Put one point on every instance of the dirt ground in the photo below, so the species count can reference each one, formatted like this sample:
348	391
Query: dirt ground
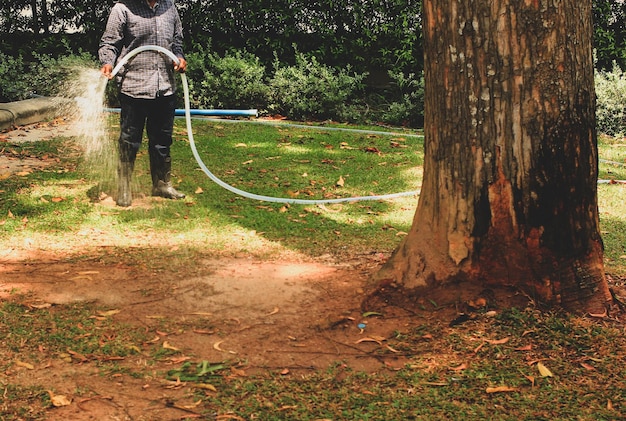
287	316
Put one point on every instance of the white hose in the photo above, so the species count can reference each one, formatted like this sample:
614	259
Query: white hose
218	181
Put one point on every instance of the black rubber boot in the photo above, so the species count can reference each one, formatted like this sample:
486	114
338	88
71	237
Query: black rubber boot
165	189
161	184
124	194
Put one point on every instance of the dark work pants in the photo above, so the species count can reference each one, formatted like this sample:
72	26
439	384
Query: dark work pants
157	116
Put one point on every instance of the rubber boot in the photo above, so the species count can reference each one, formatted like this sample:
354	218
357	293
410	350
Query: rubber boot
161	181
124	194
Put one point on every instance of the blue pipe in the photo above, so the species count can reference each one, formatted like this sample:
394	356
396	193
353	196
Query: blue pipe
247	113
210	113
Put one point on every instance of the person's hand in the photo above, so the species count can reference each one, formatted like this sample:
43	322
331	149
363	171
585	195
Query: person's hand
106	71
181	66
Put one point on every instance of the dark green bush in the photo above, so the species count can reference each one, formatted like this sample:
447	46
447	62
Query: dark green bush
44	76
50	76
14	79
311	90
408	109
235	81
611	102
306	90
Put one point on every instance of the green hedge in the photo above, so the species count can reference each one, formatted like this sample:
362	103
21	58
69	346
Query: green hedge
611	102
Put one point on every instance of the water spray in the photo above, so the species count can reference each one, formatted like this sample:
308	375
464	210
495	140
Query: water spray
217	180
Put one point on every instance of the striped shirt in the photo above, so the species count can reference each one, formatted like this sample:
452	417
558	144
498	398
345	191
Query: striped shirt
131	24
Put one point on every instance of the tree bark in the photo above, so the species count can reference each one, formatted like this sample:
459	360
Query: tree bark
35	17
509	195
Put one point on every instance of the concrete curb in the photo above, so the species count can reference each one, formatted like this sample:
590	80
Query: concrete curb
31	111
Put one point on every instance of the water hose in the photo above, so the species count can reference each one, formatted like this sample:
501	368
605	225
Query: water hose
218	181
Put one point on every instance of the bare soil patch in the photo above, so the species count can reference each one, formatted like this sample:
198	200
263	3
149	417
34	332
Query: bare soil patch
286	317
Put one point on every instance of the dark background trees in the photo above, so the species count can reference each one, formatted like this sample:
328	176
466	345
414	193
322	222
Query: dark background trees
609	33
367	35
377	39
371	34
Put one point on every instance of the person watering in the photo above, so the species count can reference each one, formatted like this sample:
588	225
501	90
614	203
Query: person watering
147	88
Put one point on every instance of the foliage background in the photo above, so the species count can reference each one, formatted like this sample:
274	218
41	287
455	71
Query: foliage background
367	55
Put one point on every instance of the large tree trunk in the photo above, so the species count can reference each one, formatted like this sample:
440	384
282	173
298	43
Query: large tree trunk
45	17
509	195
35	17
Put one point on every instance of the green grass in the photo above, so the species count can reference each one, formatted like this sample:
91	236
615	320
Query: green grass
268	159
263	159
611	198
69	332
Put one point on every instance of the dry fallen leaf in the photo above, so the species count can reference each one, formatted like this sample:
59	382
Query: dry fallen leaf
340	182
167	345
237	372
59	400
199	190
40	306
228	417
378	339
25	365
78	356
501	389
497	341
178	360
216	346
392	349
108	313
543	370
205	386
587	366
459	368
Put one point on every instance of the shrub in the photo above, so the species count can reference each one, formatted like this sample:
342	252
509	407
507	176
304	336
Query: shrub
51	76
408	110
611	102
45	75
310	90
14	79
235	81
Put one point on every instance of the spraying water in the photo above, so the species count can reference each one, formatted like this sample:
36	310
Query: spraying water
86	88
91	122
